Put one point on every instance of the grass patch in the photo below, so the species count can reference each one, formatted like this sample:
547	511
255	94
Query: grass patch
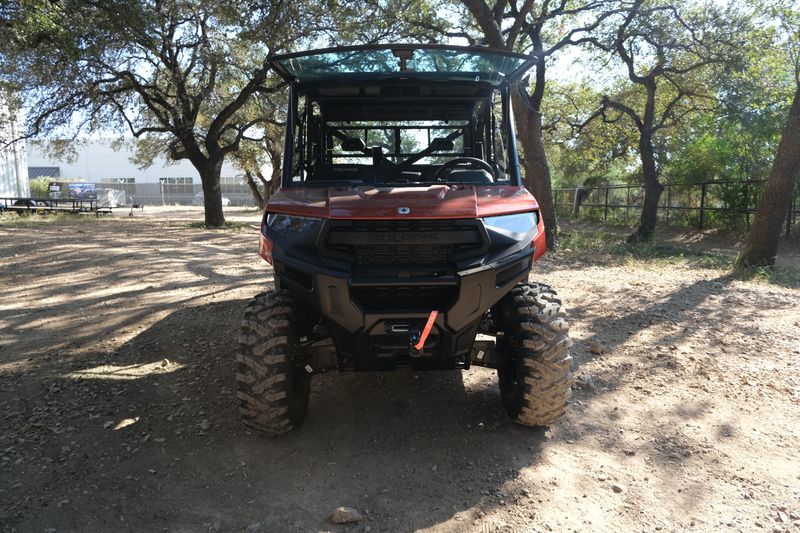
786	277
612	246
232	226
10	219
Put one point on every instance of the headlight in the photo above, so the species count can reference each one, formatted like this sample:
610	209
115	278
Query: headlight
518	224
286	224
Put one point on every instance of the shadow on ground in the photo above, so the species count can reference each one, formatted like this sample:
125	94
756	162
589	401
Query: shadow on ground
409	450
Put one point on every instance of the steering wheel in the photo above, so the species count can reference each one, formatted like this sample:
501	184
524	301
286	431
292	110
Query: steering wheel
474	161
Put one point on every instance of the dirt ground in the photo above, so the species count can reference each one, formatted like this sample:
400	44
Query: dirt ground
118	413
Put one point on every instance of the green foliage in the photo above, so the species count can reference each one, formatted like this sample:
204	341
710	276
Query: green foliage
726	128
598	152
40	188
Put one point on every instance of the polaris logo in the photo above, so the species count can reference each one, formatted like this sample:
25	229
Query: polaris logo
403	210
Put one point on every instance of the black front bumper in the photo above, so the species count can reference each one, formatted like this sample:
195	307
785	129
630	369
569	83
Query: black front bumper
371	316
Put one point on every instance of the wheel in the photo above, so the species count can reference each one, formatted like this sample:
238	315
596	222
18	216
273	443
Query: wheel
30	204
535	381
273	385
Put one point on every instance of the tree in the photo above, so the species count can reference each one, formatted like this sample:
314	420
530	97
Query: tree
601	152
176	72
542	28
169	69
347	23
663	49
255	156
762	243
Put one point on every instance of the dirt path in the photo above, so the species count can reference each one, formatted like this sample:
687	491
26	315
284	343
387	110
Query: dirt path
117	408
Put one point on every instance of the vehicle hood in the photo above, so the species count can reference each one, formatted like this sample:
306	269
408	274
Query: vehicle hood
434	201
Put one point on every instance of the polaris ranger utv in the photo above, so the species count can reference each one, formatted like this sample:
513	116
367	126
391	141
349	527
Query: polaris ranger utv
401	235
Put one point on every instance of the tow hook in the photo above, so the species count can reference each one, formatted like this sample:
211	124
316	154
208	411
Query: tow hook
418	339
413	339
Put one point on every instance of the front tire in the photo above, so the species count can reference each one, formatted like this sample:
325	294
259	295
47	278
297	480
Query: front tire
273	385
536	379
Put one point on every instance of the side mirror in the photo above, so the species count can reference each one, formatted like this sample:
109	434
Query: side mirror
442	144
353	144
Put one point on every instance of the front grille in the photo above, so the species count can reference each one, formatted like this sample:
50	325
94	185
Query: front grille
366	243
389	254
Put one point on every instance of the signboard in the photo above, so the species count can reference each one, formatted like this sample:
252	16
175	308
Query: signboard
82	191
54	190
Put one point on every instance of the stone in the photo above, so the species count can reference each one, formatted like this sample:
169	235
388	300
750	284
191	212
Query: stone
617	487
345	515
596	348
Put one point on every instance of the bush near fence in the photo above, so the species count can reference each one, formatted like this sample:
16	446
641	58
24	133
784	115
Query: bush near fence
727	205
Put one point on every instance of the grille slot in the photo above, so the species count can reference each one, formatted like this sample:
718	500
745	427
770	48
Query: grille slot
405	298
389	254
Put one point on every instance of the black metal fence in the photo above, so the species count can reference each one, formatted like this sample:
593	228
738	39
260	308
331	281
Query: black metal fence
720	204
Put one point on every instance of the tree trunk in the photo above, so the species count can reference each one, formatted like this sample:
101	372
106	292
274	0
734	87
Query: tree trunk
762	243
652	191
256	192
212	193
276	159
537	171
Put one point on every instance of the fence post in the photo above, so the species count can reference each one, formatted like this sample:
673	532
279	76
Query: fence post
669	200
605	209
628	203
747	203
702	205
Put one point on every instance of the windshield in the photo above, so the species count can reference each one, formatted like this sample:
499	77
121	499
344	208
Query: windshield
378	136
440	63
398	141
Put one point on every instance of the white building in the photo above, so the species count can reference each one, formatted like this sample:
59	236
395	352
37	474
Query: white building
13	163
165	182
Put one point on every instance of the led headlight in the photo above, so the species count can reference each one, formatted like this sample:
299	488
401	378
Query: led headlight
287	224
516	225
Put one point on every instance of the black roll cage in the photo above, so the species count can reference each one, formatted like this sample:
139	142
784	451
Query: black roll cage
295	89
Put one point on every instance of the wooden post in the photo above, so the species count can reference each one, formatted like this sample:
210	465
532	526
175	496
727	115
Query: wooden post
605	209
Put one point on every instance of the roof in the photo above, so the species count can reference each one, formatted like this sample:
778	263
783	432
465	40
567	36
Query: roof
43	172
423	62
